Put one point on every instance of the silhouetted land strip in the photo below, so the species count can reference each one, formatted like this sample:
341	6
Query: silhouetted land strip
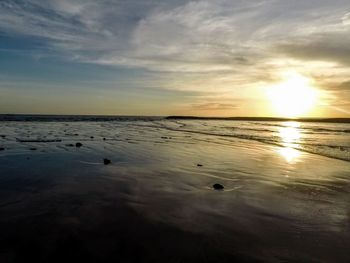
331	120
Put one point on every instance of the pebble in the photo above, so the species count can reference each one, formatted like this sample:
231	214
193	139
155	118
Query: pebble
106	161
218	186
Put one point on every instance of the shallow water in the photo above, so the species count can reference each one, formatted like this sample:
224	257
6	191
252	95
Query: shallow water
279	203
328	139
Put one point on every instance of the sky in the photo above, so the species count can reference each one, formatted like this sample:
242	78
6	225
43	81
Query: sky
175	57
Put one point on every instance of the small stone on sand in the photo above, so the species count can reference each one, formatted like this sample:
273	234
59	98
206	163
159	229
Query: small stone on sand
106	161
78	144
199	165
2	148
33	149
218	186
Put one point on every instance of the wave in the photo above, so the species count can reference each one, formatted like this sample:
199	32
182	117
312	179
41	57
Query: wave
327	150
312	129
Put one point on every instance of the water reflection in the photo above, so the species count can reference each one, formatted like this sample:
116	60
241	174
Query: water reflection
290	137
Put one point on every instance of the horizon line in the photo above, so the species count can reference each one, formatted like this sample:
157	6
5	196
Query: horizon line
7	116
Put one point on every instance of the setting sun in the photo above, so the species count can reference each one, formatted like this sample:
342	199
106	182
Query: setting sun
293	97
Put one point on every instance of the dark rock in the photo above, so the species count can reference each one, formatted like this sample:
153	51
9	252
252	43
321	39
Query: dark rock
104	139
33	149
91	137
163	137
2	148
78	144
199	165
106	161
218	186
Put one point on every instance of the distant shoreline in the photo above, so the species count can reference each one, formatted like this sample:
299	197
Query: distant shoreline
331	120
53	117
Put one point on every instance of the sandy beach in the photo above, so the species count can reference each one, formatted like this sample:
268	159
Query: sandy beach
155	201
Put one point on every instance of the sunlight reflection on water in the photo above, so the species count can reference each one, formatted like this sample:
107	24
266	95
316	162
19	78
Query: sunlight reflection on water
290	136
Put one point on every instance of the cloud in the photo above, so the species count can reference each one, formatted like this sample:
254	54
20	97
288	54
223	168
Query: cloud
333	47
345	86
213	44
346	19
214	106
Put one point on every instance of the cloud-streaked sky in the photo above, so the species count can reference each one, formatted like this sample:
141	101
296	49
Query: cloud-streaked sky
210	57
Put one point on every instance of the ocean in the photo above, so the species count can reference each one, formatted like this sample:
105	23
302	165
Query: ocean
329	139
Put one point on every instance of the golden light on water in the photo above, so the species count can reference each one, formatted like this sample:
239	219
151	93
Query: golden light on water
289	154
290	136
293	97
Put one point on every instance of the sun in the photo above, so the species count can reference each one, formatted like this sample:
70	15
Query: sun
293	97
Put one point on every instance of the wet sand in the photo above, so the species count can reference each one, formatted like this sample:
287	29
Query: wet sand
153	203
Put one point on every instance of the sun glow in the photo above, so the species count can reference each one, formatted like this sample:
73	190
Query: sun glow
293	97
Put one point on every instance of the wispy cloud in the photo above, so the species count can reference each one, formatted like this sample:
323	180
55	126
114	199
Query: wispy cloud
214	106
174	35
222	43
